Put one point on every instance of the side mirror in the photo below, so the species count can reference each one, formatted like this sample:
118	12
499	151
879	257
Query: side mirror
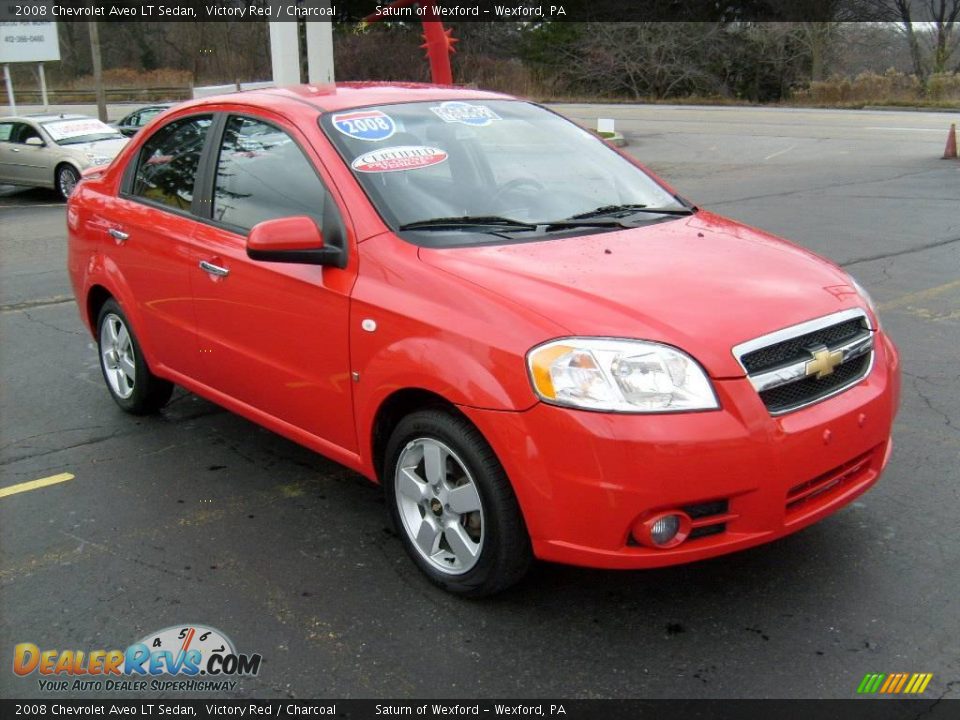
292	240
34	142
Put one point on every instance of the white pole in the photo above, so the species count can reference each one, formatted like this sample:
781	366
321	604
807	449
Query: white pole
10	98
285	52
43	87
320	51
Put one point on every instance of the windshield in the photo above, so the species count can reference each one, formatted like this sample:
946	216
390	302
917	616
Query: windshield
508	166
80	130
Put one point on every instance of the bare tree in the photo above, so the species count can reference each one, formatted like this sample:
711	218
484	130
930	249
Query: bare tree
645	59
819	38
946	17
941	26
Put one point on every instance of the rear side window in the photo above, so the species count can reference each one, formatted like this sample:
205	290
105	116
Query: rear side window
5	131
146	116
168	162
262	174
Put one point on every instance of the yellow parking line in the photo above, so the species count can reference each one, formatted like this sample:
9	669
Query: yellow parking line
35	484
921	295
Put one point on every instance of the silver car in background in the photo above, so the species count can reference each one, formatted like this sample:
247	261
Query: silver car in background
52	150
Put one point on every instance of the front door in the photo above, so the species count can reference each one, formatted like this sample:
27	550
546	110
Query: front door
272	335
23	164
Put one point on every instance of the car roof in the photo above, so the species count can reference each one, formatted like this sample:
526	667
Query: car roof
44	117
347	95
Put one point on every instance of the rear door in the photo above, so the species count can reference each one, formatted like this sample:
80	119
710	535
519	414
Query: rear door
273	335
150	237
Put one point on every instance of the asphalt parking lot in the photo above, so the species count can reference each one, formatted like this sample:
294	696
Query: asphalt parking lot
197	515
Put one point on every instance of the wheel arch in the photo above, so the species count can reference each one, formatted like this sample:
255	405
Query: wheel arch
60	164
106	284
97	295
392	410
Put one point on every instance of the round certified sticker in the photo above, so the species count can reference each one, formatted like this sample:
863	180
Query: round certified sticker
402	157
365	124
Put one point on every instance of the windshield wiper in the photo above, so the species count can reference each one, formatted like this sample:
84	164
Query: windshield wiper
625	210
468	222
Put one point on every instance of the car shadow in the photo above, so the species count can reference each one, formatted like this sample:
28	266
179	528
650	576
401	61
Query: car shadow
15	195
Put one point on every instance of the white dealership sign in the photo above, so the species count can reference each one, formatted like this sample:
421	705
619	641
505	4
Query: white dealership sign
29	42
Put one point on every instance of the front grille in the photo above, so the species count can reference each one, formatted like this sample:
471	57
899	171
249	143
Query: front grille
826	485
703	513
702	510
810	389
777	364
794	349
707	531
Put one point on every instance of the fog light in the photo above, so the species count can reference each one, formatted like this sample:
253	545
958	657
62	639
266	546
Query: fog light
663	530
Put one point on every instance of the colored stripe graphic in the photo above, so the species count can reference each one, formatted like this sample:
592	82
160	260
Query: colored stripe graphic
894	683
870	683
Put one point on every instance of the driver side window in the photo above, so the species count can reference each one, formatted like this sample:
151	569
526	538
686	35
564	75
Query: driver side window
21	132
263	174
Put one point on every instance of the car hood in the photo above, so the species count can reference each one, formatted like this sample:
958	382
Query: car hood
701	283
104	148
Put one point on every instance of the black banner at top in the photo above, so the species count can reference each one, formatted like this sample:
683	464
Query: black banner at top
455	11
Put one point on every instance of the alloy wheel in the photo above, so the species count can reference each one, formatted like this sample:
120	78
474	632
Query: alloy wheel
440	506
117	356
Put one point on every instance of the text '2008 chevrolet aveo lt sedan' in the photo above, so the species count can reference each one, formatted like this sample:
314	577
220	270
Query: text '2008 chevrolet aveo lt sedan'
535	345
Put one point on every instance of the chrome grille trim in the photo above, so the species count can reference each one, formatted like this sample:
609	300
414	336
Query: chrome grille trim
796	371
793	331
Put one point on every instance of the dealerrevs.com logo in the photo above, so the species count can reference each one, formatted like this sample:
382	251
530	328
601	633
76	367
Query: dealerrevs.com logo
198	657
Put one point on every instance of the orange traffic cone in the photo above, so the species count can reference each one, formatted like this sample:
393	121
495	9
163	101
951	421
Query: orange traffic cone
950	152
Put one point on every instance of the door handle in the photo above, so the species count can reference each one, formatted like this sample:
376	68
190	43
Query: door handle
14	149
119	235
214	270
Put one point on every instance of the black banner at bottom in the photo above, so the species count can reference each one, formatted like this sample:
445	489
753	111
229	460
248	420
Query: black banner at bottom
858	709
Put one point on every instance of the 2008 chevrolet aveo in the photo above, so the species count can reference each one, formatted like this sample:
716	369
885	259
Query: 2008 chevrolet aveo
535	345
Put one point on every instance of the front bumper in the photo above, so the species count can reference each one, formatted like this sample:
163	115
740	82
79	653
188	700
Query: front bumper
583	478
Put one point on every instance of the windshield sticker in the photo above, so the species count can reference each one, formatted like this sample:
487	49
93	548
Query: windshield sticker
75	128
402	157
455	111
365	125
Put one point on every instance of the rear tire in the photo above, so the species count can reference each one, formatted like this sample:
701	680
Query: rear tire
131	384
453	505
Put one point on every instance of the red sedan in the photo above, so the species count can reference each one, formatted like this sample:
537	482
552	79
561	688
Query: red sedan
537	347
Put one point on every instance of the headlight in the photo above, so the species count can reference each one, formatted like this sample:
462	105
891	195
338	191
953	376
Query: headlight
862	292
619	376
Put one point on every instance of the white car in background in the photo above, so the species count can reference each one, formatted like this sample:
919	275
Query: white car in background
52	150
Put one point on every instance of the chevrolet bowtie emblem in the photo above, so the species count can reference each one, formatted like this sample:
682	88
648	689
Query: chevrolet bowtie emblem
823	362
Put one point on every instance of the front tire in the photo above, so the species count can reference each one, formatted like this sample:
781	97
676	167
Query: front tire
453	505
66	180
131	384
